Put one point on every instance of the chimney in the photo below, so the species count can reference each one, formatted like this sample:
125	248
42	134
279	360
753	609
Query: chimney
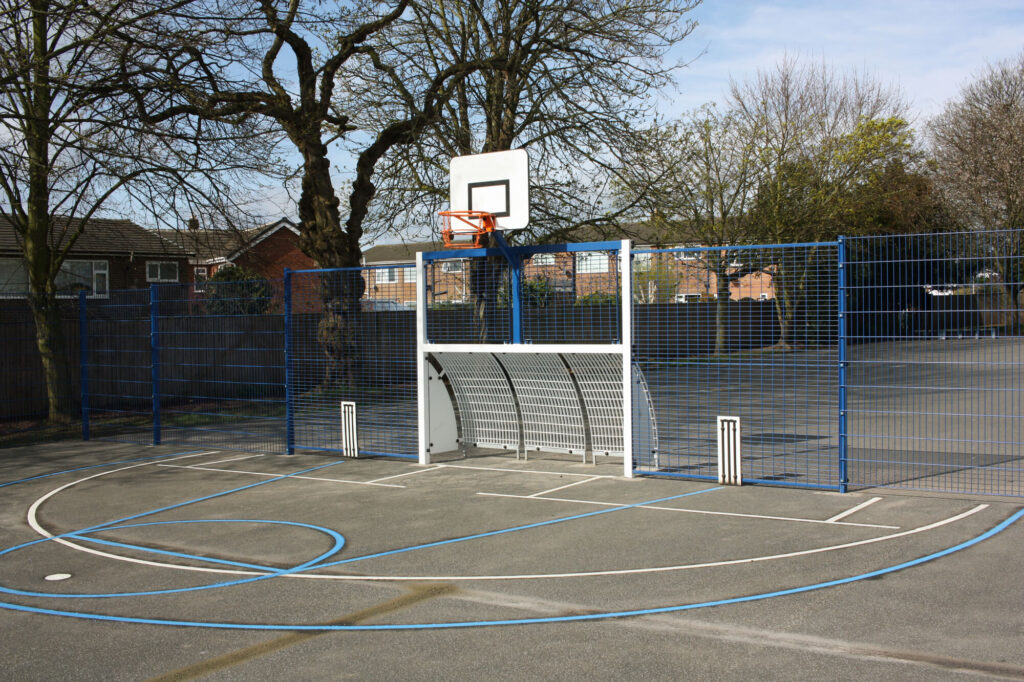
193	224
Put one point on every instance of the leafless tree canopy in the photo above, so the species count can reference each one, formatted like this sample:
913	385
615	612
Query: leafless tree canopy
978	145
569	82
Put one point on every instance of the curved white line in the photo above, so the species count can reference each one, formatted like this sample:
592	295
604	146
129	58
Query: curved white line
466	578
33	522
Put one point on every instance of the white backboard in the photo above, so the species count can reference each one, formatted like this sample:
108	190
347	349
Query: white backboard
497	182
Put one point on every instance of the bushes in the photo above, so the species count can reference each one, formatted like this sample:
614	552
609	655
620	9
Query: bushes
238	291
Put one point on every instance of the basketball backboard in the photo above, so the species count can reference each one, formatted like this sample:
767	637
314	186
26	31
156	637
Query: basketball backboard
496	182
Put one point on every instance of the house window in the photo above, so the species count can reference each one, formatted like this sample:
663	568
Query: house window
387	276
642	261
409	275
591	262
161	271
13	277
686	255
91	276
451	266
541	259
199	276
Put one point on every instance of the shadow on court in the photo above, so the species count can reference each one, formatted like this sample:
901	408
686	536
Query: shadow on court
226	565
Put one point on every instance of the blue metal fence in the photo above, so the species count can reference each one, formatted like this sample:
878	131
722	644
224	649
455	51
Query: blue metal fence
746	332
935	374
870	361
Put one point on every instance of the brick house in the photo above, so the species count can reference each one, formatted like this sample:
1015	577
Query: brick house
109	254
267	249
664	277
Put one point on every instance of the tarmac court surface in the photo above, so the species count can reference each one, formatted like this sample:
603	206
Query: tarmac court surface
126	563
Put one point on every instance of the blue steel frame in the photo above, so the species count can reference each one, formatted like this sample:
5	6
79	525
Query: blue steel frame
289	402
841	321
870	283
154	339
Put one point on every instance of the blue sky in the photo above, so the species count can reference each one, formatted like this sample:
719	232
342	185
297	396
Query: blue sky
927	48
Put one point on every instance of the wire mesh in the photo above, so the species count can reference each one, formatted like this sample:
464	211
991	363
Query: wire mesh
744	331
561	296
221	365
119	366
351	342
572	297
24	398
936	361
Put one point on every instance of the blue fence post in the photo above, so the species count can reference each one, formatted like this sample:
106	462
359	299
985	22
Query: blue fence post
154	345
841	257
83	361
289	414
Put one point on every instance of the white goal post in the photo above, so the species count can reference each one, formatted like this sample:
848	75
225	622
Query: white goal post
548	397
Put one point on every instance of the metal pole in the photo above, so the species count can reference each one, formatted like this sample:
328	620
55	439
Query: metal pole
841	257
289	408
626	277
154	345
83	361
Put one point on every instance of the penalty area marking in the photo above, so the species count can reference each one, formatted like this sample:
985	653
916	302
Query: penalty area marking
579	574
706	512
200	467
678	608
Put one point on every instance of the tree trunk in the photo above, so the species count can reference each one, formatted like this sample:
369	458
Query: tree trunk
51	345
323	240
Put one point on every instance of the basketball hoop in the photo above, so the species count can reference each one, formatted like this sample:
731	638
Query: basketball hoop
467	230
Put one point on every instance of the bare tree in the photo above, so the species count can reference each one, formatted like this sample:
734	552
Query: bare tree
571	81
978	145
816	134
70	149
695	183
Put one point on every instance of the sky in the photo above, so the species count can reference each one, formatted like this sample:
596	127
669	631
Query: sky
928	48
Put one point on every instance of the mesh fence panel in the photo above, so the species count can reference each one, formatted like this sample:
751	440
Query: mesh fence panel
221	365
564	296
749	332
348	344
936	361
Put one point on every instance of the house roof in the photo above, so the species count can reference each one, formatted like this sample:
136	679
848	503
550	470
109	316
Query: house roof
101	236
641	234
224	244
398	253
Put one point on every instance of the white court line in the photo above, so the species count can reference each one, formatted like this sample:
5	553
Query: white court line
697	511
843	515
563	487
526	471
407	473
30	516
313	576
230	459
260	473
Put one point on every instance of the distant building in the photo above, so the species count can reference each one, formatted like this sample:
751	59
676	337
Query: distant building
267	249
108	254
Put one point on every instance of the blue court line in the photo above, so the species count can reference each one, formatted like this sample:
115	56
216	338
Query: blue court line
338	544
529	621
97	466
527	526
